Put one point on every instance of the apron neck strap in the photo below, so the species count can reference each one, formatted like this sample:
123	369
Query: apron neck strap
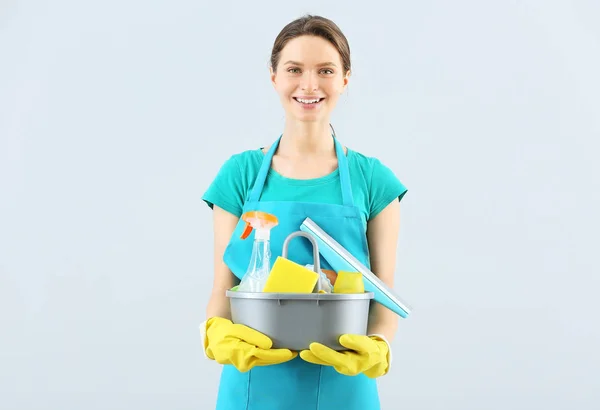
343	169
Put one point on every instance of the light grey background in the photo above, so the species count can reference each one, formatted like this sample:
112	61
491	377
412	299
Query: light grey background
116	115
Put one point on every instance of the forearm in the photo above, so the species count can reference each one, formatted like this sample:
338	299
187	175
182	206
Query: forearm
382	321
224	279
218	305
382	234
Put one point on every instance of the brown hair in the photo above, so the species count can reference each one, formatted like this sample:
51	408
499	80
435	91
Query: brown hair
310	25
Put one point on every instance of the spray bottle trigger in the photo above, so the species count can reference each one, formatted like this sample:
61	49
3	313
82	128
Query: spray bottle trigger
247	231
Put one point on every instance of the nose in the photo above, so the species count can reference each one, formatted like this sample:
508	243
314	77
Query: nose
310	81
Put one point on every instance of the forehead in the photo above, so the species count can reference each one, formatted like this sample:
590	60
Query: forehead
310	50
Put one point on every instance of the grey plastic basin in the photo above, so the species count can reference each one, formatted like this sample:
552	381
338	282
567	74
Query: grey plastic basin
295	320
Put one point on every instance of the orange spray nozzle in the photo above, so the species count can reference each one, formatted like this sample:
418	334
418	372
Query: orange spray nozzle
258	220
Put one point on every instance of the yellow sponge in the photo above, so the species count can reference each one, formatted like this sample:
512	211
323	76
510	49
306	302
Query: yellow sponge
289	277
349	282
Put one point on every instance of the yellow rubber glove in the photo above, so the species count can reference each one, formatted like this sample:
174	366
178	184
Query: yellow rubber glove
368	355
241	346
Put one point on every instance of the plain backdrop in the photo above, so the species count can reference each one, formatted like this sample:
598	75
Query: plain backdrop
116	115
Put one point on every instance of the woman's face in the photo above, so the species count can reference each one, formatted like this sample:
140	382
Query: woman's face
309	78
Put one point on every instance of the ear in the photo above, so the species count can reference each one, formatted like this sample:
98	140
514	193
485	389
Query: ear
345	80
272	74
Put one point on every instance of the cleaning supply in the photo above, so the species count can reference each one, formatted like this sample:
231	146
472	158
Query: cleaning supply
349	282
288	276
295	320
260	260
340	259
293	314
324	283
241	346
330	274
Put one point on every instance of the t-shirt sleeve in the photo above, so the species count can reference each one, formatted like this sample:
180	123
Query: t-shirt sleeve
226	190
385	187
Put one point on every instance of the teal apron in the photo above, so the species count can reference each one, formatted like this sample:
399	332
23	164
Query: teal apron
298	385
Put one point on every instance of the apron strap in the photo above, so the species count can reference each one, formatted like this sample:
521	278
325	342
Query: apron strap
259	182
344	173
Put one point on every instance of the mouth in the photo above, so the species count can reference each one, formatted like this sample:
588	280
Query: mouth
309	102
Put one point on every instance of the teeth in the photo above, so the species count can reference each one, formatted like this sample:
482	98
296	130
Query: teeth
308	101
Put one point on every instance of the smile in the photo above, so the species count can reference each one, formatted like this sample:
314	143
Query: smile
308	103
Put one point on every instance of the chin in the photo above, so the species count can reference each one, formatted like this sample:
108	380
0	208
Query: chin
308	118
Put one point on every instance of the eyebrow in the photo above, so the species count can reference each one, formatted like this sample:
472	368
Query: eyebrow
329	63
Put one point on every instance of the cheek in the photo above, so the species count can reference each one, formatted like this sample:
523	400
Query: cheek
285	90
334	86
334	91
285	85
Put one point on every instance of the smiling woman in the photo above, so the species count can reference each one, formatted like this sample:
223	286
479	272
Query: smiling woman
310	68
305	173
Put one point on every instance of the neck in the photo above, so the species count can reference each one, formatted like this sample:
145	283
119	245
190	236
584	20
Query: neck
306	138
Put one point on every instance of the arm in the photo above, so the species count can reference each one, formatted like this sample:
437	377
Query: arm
382	236
224	224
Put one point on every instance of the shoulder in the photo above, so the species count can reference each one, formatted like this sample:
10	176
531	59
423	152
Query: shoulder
381	183
232	169
245	158
241	165
233	180
366	164
241	168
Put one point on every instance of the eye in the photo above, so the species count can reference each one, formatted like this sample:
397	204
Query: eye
327	71
293	70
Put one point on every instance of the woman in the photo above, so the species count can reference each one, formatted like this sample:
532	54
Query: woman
304	173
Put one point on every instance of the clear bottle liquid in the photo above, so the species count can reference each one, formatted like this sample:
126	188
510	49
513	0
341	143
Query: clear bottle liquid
259	265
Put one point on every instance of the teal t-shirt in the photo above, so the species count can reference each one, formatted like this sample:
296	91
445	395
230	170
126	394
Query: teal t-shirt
374	185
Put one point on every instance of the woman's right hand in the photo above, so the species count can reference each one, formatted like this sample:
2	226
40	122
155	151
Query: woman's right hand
241	346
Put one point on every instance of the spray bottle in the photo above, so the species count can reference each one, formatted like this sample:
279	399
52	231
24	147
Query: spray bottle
260	261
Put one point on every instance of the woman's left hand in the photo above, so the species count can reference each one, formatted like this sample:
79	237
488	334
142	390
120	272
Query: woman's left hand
367	354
